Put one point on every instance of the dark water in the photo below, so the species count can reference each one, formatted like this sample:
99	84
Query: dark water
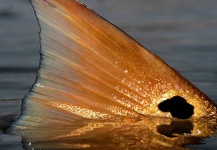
183	33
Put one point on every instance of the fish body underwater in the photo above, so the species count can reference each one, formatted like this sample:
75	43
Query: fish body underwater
94	79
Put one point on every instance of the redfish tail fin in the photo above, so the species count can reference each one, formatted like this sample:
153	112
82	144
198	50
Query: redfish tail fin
91	69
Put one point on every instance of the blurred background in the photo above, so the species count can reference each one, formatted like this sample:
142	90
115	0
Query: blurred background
19	48
183	33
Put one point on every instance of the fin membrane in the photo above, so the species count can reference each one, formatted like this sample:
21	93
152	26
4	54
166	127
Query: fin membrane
91	69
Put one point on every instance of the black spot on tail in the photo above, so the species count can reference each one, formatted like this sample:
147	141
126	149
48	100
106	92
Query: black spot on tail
178	107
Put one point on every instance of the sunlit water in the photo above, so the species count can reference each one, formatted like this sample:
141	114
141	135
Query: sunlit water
183	33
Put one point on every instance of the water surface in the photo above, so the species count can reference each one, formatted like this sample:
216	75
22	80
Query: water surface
183	33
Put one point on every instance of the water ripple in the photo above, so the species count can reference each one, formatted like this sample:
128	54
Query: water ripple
17	69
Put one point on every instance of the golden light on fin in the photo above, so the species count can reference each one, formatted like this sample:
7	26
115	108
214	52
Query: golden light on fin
91	69
97	85
147	133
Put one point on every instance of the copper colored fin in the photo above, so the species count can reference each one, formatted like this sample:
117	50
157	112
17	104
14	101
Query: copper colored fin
91	69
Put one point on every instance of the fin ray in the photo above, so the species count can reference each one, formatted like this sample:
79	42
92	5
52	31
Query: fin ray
91	69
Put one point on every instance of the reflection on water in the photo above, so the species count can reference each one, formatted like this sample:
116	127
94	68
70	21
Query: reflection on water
176	127
146	133
183	33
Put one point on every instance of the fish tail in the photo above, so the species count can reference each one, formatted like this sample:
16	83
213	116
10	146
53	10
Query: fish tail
90	69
